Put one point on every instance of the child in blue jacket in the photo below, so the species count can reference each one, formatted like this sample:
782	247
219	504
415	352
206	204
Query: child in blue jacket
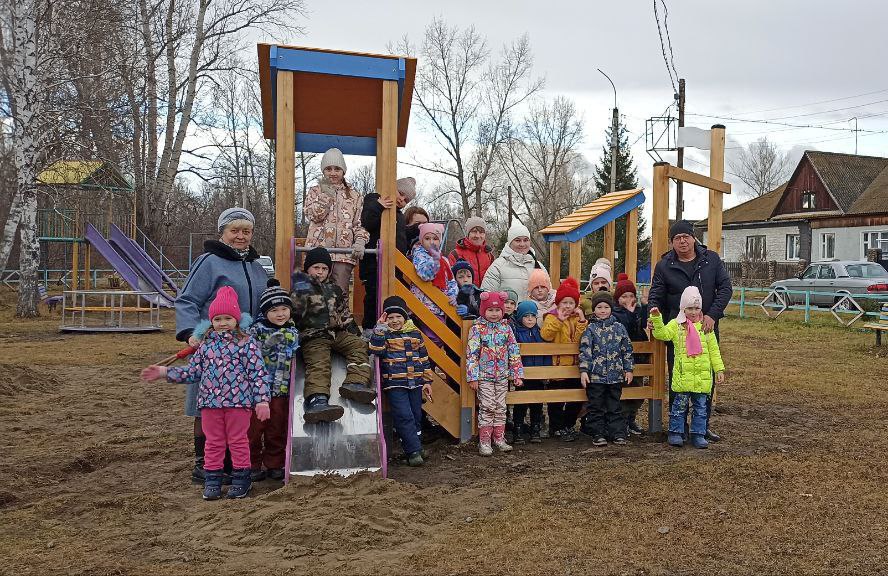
527	331
406	373
605	365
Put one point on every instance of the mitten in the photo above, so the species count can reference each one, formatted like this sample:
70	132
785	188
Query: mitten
462	310
358	250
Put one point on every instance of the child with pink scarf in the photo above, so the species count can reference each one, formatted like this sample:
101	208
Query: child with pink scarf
696	357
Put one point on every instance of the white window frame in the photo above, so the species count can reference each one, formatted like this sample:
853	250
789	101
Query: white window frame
826	239
813	196
882	241
793	241
764	251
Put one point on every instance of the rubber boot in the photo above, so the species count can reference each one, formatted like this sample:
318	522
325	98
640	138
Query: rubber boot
197	473
357	392
240	483
484	435
212	484
318	410
499	439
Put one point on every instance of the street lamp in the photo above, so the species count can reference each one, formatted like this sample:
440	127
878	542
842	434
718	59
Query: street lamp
614	137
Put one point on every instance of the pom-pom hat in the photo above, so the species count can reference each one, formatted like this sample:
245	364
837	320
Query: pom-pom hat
491	300
569	288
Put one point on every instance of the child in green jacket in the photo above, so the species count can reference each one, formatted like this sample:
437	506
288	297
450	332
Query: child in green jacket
696	357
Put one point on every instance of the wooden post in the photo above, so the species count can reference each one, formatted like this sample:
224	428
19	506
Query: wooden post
555	263
284	178
466	394
717	171
659	245
87	252
575	259
386	174
610	242
631	267
75	265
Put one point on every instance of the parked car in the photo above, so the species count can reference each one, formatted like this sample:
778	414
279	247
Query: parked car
826	280
268	264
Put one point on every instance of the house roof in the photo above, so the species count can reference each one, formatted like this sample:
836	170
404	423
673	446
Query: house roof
594	215
846	176
85	173
874	198
755	210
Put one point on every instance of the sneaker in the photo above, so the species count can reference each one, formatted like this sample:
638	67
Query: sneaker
600	441
620	441
634	429
698	441
357	392
502	446
318	410
485	449
276	474
712	436
258	475
568	435
675	439
415	459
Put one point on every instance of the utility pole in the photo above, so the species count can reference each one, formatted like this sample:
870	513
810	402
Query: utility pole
509	190
679	186
855	133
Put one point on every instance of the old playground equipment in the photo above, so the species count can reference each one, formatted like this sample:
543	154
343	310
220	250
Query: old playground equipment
360	103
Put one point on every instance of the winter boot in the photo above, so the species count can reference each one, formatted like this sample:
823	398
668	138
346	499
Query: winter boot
675	439
240	483
276	474
634	429
535	437
698	441
484	435
357	392
197	473
499	439
318	410
258	475
415	459
712	436
212	484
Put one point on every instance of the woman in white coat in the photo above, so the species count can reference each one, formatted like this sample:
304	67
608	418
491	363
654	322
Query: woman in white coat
511	271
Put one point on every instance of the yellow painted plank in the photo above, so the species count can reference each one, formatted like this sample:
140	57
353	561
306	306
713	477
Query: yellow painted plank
445	406
698	179
573	395
405	267
425	315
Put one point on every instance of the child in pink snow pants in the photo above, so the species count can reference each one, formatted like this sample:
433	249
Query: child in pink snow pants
492	360
232	382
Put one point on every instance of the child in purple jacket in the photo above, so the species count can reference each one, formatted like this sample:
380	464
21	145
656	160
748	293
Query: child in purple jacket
233	381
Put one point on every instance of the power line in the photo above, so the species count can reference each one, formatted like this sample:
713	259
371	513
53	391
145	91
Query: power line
668	37
663	48
811	103
815	126
828	111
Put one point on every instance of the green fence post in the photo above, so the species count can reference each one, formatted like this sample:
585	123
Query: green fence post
807	306
742	301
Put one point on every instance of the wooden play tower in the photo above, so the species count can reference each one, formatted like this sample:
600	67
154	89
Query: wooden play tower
315	99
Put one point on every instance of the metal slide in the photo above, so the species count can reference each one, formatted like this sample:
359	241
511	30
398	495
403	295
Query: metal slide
136	281
352	444
143	263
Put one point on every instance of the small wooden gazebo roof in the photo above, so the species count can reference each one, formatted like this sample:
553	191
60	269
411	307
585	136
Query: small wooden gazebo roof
593	216
84	174
337	95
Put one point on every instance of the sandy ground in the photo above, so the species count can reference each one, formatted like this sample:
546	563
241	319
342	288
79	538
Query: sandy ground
94	478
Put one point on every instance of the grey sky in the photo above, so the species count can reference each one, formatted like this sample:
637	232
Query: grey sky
738	57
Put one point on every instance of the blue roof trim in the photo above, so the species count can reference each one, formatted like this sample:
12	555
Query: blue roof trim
599	221
297	60
355	145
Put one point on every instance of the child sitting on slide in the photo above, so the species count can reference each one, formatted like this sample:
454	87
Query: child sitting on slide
233	382
326	325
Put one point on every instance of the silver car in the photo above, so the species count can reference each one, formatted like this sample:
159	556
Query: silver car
826	280
267	264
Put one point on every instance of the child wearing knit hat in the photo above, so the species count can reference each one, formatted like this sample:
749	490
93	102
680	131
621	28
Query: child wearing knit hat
600	278
432	267
527	331
633	316
492	360
539	289
279	339
326	325
473	248
511	303
564	324
468	297
406	373
232	382
605	365
697	356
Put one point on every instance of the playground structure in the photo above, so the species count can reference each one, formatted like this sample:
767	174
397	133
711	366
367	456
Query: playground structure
316	99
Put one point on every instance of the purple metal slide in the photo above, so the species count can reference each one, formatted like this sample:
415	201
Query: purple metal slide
143	263
127	273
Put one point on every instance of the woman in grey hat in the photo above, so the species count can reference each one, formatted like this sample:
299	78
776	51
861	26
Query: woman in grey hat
228	261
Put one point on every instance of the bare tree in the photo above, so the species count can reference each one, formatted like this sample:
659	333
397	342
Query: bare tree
466	99
762	166
364	179
543	165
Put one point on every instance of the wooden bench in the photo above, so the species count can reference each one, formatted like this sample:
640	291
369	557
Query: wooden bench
881	325
51	301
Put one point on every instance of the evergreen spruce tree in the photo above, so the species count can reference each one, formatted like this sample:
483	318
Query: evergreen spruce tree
627	179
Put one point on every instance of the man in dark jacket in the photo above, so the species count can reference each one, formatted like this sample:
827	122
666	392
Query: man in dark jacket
690	264
371	220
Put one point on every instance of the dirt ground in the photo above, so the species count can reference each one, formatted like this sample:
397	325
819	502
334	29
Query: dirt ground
94	478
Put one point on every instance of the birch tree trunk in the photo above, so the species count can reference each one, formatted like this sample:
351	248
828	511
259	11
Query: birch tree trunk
12	222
